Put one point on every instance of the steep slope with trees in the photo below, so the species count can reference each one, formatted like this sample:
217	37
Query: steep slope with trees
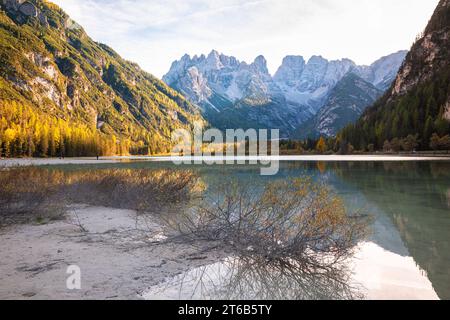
63	93
417	107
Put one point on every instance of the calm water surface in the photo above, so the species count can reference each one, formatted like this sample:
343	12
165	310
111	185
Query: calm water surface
406	256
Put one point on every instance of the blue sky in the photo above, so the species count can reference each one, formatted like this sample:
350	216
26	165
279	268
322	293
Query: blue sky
154	33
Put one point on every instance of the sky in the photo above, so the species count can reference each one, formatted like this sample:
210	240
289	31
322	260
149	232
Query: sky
154	33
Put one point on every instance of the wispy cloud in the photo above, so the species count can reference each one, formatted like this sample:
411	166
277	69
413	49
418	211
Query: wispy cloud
156	32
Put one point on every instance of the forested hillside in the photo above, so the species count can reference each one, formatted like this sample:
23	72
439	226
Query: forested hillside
61	93
415	112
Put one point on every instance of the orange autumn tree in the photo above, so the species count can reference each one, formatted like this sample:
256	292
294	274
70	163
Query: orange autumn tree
321	145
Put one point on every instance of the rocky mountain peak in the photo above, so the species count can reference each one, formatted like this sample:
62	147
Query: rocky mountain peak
294	94
290	70
185	57
23	10
441	17
260	64
293	61
213	60
429	54
383	71
317	61
345	103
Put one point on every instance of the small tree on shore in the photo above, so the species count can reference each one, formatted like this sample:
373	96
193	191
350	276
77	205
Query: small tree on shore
321	145
438	143
410	143
445	142
387	146
396	145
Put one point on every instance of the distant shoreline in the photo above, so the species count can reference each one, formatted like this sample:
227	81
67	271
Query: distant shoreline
24	162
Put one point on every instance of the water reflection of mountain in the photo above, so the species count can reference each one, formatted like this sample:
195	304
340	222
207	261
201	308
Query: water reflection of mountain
415	197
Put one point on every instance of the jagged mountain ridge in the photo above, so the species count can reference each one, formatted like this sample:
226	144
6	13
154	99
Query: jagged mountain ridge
230	91
203	77
49	63
383	71
345	103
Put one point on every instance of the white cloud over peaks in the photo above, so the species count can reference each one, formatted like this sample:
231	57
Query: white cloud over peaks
156	32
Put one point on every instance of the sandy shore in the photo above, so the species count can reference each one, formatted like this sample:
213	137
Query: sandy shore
8	163
322	158
123	255
120	255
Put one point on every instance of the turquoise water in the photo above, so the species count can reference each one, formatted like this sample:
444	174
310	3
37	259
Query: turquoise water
409	200
410	203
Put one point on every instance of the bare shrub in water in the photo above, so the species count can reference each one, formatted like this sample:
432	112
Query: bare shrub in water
257	279
141	190
280	280
295	222
34	192
28	190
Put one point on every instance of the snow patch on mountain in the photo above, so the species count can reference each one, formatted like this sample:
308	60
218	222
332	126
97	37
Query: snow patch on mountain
296	92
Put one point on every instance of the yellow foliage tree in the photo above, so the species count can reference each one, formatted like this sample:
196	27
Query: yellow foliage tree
321	145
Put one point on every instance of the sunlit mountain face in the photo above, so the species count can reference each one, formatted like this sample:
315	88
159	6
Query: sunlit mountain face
232	93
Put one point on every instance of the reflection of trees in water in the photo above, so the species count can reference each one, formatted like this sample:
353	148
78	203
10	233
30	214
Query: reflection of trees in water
414	195
31	192
287	219
293	239
259	279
